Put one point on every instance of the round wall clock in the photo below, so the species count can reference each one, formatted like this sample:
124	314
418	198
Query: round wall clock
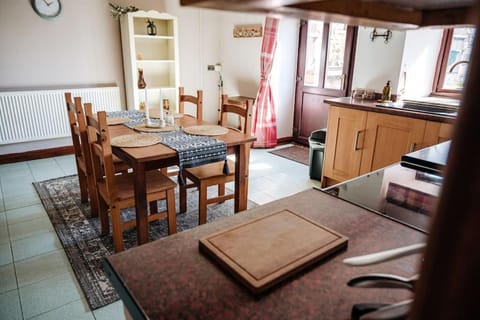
47	8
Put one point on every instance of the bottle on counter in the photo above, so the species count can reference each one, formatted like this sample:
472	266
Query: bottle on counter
386	95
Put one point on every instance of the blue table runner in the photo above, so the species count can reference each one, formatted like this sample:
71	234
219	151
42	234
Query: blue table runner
192	150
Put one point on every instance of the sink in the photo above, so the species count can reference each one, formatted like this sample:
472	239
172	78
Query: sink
430	109
422	107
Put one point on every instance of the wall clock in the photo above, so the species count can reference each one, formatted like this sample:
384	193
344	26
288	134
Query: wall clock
47	8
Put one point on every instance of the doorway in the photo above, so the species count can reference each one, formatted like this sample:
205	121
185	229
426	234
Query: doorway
324	70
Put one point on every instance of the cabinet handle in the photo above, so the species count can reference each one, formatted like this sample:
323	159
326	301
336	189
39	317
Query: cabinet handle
356	148
412	147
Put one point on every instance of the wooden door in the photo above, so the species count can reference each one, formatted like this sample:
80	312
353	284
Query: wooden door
389	137
324	70
343	152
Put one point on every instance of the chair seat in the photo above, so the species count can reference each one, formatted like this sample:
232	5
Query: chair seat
211	170
156	182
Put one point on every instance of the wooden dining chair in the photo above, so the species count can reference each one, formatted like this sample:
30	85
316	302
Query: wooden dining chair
83	159
212	174
116	191
197	101
81	149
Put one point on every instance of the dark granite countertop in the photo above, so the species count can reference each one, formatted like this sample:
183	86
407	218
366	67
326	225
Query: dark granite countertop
432	159
372	106
170	278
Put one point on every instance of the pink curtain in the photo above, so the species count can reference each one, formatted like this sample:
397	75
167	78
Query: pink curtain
264	122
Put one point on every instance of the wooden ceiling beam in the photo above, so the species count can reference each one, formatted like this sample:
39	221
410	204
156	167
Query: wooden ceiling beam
449	17
393	15
363	9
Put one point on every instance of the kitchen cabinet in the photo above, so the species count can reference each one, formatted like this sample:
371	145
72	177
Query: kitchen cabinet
359	141
387	138
155	52
345	131
436	132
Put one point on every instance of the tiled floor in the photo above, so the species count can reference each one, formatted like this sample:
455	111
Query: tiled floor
36	280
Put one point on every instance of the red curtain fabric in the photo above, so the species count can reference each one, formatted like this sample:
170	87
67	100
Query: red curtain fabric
264	122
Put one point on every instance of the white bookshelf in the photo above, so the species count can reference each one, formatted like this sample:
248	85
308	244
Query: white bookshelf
156	54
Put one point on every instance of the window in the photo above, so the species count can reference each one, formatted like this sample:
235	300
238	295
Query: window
453	60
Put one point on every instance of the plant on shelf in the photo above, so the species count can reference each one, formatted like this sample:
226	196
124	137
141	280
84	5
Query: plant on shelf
117	10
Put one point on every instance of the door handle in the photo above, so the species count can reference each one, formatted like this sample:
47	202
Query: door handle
357	136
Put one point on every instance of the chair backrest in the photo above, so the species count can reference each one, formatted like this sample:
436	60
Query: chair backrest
241	108
197	101
101	150
78	129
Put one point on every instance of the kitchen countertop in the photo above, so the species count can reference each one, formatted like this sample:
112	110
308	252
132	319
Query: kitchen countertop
171	278
432	159
406	192
372	105
396	192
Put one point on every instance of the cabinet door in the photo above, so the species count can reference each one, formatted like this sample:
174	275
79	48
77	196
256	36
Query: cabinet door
389	137
343	152
436	132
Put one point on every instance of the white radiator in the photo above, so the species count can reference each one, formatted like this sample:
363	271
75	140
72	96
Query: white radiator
42	114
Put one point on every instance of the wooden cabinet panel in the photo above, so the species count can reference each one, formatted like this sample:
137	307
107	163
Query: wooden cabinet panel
389	137
343	145
436	132
359	141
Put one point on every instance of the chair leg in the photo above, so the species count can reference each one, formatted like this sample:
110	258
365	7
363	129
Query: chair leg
103	213
117	230
202	204
183	199
221	190
92	191
82	181
171	214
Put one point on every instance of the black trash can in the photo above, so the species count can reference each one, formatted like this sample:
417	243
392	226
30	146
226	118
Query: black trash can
317	149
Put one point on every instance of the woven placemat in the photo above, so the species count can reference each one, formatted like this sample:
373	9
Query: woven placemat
144	128
206	130
112	121
134	140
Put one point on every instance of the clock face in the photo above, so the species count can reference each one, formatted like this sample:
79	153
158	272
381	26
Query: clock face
47	8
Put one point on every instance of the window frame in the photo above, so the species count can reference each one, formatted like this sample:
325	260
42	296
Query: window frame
441	67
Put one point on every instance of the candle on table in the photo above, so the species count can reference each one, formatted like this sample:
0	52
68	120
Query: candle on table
161	106
147	111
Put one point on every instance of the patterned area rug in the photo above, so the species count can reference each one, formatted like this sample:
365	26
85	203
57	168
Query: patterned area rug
80	234
297	153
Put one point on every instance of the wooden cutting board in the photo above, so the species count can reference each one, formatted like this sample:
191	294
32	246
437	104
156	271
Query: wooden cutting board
264	251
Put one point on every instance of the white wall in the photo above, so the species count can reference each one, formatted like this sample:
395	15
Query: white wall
79	48
241	64
377	62
419	61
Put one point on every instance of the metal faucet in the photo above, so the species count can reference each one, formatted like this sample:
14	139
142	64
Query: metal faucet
456	64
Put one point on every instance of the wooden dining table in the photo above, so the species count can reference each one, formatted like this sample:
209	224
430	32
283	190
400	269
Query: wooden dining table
143	159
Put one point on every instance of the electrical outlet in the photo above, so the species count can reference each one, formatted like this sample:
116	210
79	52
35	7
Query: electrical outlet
210	67
218	67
